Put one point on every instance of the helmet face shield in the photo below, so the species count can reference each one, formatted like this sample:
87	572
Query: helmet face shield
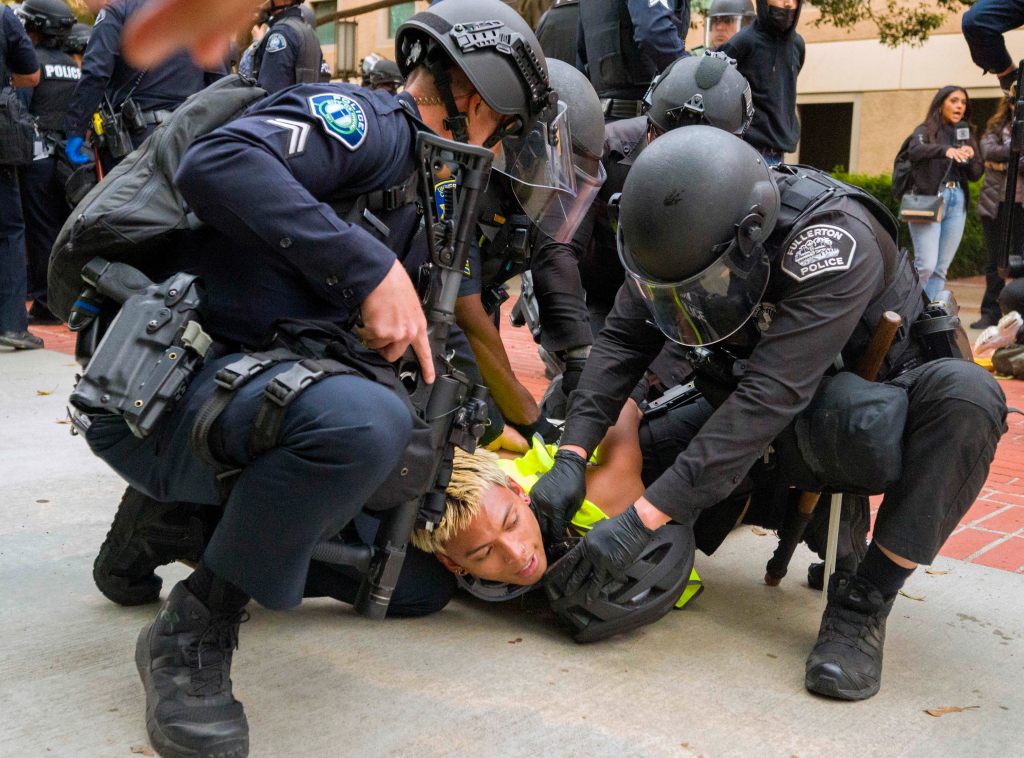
539	164
709	306
719	29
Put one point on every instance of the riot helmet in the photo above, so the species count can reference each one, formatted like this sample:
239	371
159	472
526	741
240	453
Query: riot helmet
380	73
693	217
77	39
50	19
724	19
653	584
500	56
586	123
308	15
700	90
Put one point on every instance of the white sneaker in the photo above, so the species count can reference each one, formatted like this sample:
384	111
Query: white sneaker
1002	334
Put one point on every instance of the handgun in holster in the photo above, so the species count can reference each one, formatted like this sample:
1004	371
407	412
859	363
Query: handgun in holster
116	137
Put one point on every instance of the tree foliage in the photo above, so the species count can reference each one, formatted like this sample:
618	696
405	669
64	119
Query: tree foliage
899	22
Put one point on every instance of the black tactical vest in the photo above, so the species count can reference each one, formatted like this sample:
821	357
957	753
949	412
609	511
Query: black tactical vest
557	31
307	62
617	67
58	75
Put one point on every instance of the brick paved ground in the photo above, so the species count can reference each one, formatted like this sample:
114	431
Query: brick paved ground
992	534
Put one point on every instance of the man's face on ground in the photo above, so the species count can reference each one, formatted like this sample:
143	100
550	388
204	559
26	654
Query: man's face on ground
503	543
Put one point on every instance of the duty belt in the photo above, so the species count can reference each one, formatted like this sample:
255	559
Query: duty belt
156	117
616	108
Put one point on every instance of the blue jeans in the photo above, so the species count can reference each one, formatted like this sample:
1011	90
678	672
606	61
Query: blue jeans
935	244
983	26
13	316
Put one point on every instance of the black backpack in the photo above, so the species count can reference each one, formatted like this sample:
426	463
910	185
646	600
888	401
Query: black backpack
136	210
902	170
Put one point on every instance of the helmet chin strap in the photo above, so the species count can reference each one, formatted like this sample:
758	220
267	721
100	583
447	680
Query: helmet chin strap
456	121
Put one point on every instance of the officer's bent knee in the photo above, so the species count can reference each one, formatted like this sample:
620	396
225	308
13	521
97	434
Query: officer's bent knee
973	388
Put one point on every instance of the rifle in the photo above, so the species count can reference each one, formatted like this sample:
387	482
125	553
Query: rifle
1012	170
454	408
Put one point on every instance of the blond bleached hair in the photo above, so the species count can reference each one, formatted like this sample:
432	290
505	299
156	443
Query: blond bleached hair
472	475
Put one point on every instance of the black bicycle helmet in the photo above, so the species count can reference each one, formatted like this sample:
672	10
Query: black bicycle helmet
653	585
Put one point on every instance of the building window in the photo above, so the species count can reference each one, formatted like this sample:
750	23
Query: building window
398	15
326	32
825	132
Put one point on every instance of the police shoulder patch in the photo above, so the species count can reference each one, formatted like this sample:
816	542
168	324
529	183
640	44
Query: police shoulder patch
818	249
276	42
341	117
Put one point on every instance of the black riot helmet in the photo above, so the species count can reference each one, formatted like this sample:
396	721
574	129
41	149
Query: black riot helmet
500	56
77	39
653	584
50	19
378	71
693	217
700	90
726	17
308	14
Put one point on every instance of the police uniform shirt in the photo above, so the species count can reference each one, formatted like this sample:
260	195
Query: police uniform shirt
105	72
58	75
823	277
278	52
274	247
18	55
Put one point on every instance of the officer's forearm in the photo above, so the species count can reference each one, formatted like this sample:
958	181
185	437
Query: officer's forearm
649	514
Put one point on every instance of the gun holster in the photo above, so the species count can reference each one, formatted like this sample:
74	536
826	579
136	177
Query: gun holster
938	332
151	350
116	136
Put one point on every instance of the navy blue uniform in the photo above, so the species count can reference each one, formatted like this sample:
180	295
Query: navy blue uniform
268	254
16	57
42	195
157	91
288	54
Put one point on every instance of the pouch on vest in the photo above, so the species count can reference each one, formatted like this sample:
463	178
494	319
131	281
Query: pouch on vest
149	353
136	210
849	439
17	130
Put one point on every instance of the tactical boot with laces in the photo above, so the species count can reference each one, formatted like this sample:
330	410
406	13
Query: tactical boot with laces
846	661
145	534
184	659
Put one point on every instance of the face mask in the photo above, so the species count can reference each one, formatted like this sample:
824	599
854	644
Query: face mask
781	19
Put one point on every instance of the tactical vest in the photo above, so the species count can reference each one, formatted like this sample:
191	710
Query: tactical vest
803	191
58	75
616	65
307	62
557	31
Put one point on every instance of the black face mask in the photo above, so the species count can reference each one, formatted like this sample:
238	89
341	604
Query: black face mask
781	19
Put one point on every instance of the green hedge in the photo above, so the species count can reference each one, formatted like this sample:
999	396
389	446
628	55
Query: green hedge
970	257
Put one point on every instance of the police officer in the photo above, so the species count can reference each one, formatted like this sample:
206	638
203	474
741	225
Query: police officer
623	45
19	66
380	73
48	22
289	52
268	255
557	30
788	272
724	19
107	79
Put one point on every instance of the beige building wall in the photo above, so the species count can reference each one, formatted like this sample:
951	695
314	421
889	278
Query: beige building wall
371	30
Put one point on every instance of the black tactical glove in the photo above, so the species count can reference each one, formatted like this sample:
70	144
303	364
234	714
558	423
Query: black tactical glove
575	360
558	494
601	557
547	431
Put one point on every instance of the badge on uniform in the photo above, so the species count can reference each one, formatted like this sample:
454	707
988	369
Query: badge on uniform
276	42
442	191
342	117
817	250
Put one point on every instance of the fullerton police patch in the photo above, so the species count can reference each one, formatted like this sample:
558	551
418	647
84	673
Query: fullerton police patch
817	250
443	190
342	118
276	42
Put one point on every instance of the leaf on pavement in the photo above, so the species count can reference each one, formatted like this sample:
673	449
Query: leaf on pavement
935	572
758	531
950	709
44	392
142	750
918	598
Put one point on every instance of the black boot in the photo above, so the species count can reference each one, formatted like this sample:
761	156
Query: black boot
846	662
145	534
184	659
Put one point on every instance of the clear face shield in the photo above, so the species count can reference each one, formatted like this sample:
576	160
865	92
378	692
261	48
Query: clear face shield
720	29
540	166
711	305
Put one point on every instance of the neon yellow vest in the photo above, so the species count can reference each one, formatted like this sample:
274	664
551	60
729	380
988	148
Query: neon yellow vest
527	469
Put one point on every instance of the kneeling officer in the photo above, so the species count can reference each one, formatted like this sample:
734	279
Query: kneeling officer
268	255
788	271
